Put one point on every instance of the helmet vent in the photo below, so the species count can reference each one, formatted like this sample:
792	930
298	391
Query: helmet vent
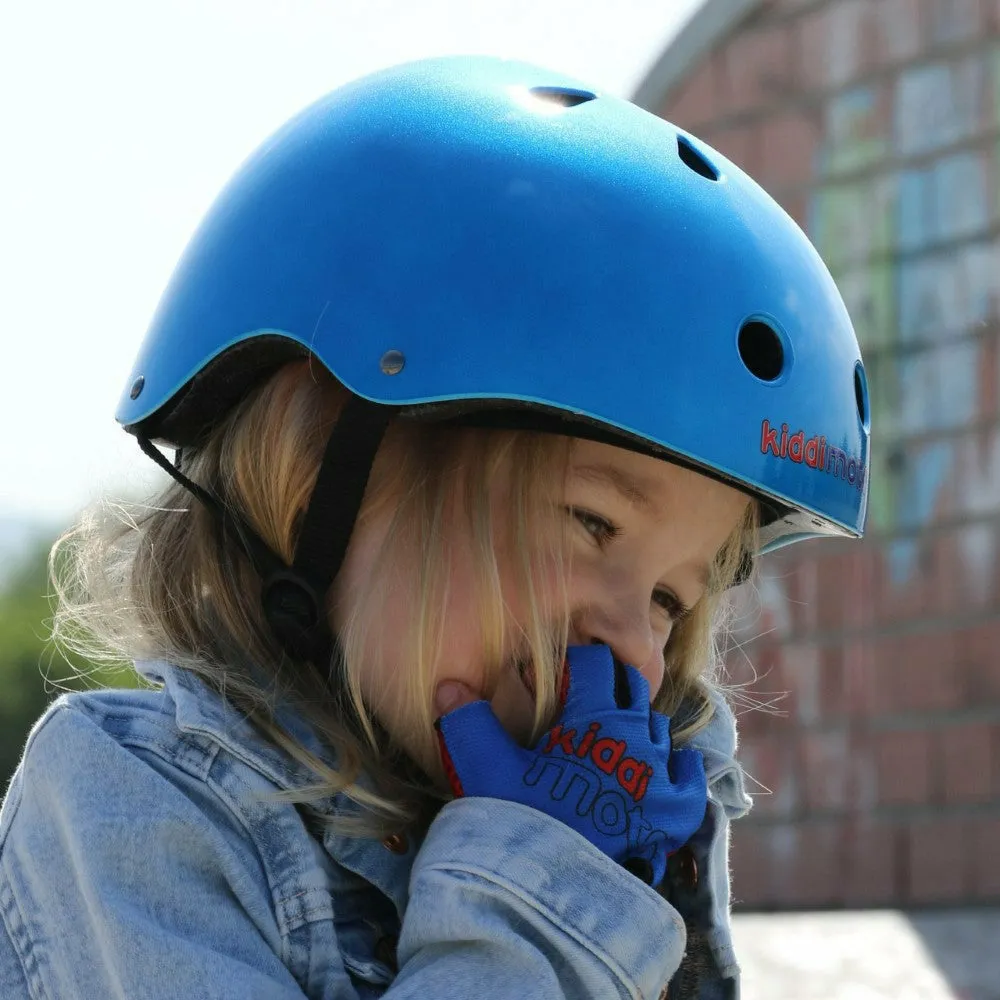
761	350
695	160
861	393
562	96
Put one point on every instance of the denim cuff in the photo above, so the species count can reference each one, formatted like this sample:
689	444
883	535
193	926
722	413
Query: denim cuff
570	900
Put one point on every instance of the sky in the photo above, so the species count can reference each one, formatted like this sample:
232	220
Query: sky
121	121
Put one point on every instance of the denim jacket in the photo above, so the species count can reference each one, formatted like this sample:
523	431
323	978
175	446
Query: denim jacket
141	858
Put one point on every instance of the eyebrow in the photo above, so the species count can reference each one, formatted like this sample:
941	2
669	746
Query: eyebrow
630	489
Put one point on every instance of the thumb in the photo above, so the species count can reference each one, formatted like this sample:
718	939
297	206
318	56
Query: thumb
450	695
476	749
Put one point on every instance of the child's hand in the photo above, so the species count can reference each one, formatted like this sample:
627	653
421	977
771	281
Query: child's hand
606	768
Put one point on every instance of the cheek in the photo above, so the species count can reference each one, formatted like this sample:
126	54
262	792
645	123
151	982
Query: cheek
457	657
461	639
654	670
610	585
353	579
585	580
546	576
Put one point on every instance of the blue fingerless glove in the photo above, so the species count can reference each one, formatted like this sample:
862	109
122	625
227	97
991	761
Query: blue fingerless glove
605	769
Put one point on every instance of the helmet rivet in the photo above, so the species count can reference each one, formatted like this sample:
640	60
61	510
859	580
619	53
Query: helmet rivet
137	387
392	362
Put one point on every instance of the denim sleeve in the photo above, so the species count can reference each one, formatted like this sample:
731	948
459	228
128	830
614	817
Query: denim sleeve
114	885
508	902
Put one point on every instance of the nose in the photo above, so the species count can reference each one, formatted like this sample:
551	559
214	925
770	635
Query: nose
624	626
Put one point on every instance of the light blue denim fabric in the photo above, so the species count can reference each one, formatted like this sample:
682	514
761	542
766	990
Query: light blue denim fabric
140	859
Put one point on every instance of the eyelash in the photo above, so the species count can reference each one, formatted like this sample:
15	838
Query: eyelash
606	532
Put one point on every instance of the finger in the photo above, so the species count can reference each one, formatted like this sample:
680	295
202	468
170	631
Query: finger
659	730
471	724
473	745
451	695
687	767
639	689
591	684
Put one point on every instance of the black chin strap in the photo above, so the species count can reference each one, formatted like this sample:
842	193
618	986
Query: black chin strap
294	597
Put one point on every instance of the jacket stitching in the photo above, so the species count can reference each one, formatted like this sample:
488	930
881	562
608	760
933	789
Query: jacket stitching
570	931
16	929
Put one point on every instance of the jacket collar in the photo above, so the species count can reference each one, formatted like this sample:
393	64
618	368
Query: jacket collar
717	744
199	709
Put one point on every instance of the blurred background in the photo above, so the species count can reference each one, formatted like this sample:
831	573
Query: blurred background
876	123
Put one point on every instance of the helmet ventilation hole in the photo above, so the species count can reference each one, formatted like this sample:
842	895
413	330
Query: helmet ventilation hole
695	160
861	393
562	96
761	350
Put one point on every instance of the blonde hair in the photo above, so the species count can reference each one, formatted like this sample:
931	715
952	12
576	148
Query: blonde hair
160	582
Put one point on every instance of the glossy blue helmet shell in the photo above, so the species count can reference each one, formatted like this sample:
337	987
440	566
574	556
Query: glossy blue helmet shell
486	232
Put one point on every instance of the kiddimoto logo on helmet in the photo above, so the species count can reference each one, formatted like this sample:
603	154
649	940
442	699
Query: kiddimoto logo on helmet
816	452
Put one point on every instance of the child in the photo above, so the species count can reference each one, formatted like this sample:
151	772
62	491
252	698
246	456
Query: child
484	388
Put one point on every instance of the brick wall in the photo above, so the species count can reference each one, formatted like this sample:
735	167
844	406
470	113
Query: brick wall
877	124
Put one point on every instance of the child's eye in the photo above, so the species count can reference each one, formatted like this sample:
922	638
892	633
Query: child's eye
600	528
603	531
670	603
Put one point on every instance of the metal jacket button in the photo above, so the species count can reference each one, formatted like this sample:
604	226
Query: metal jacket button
397	843
684	868
688	867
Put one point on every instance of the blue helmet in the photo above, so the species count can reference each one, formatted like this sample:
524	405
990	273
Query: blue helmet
467	235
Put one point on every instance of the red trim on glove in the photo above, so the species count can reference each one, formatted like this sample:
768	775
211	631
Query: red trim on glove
449	765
